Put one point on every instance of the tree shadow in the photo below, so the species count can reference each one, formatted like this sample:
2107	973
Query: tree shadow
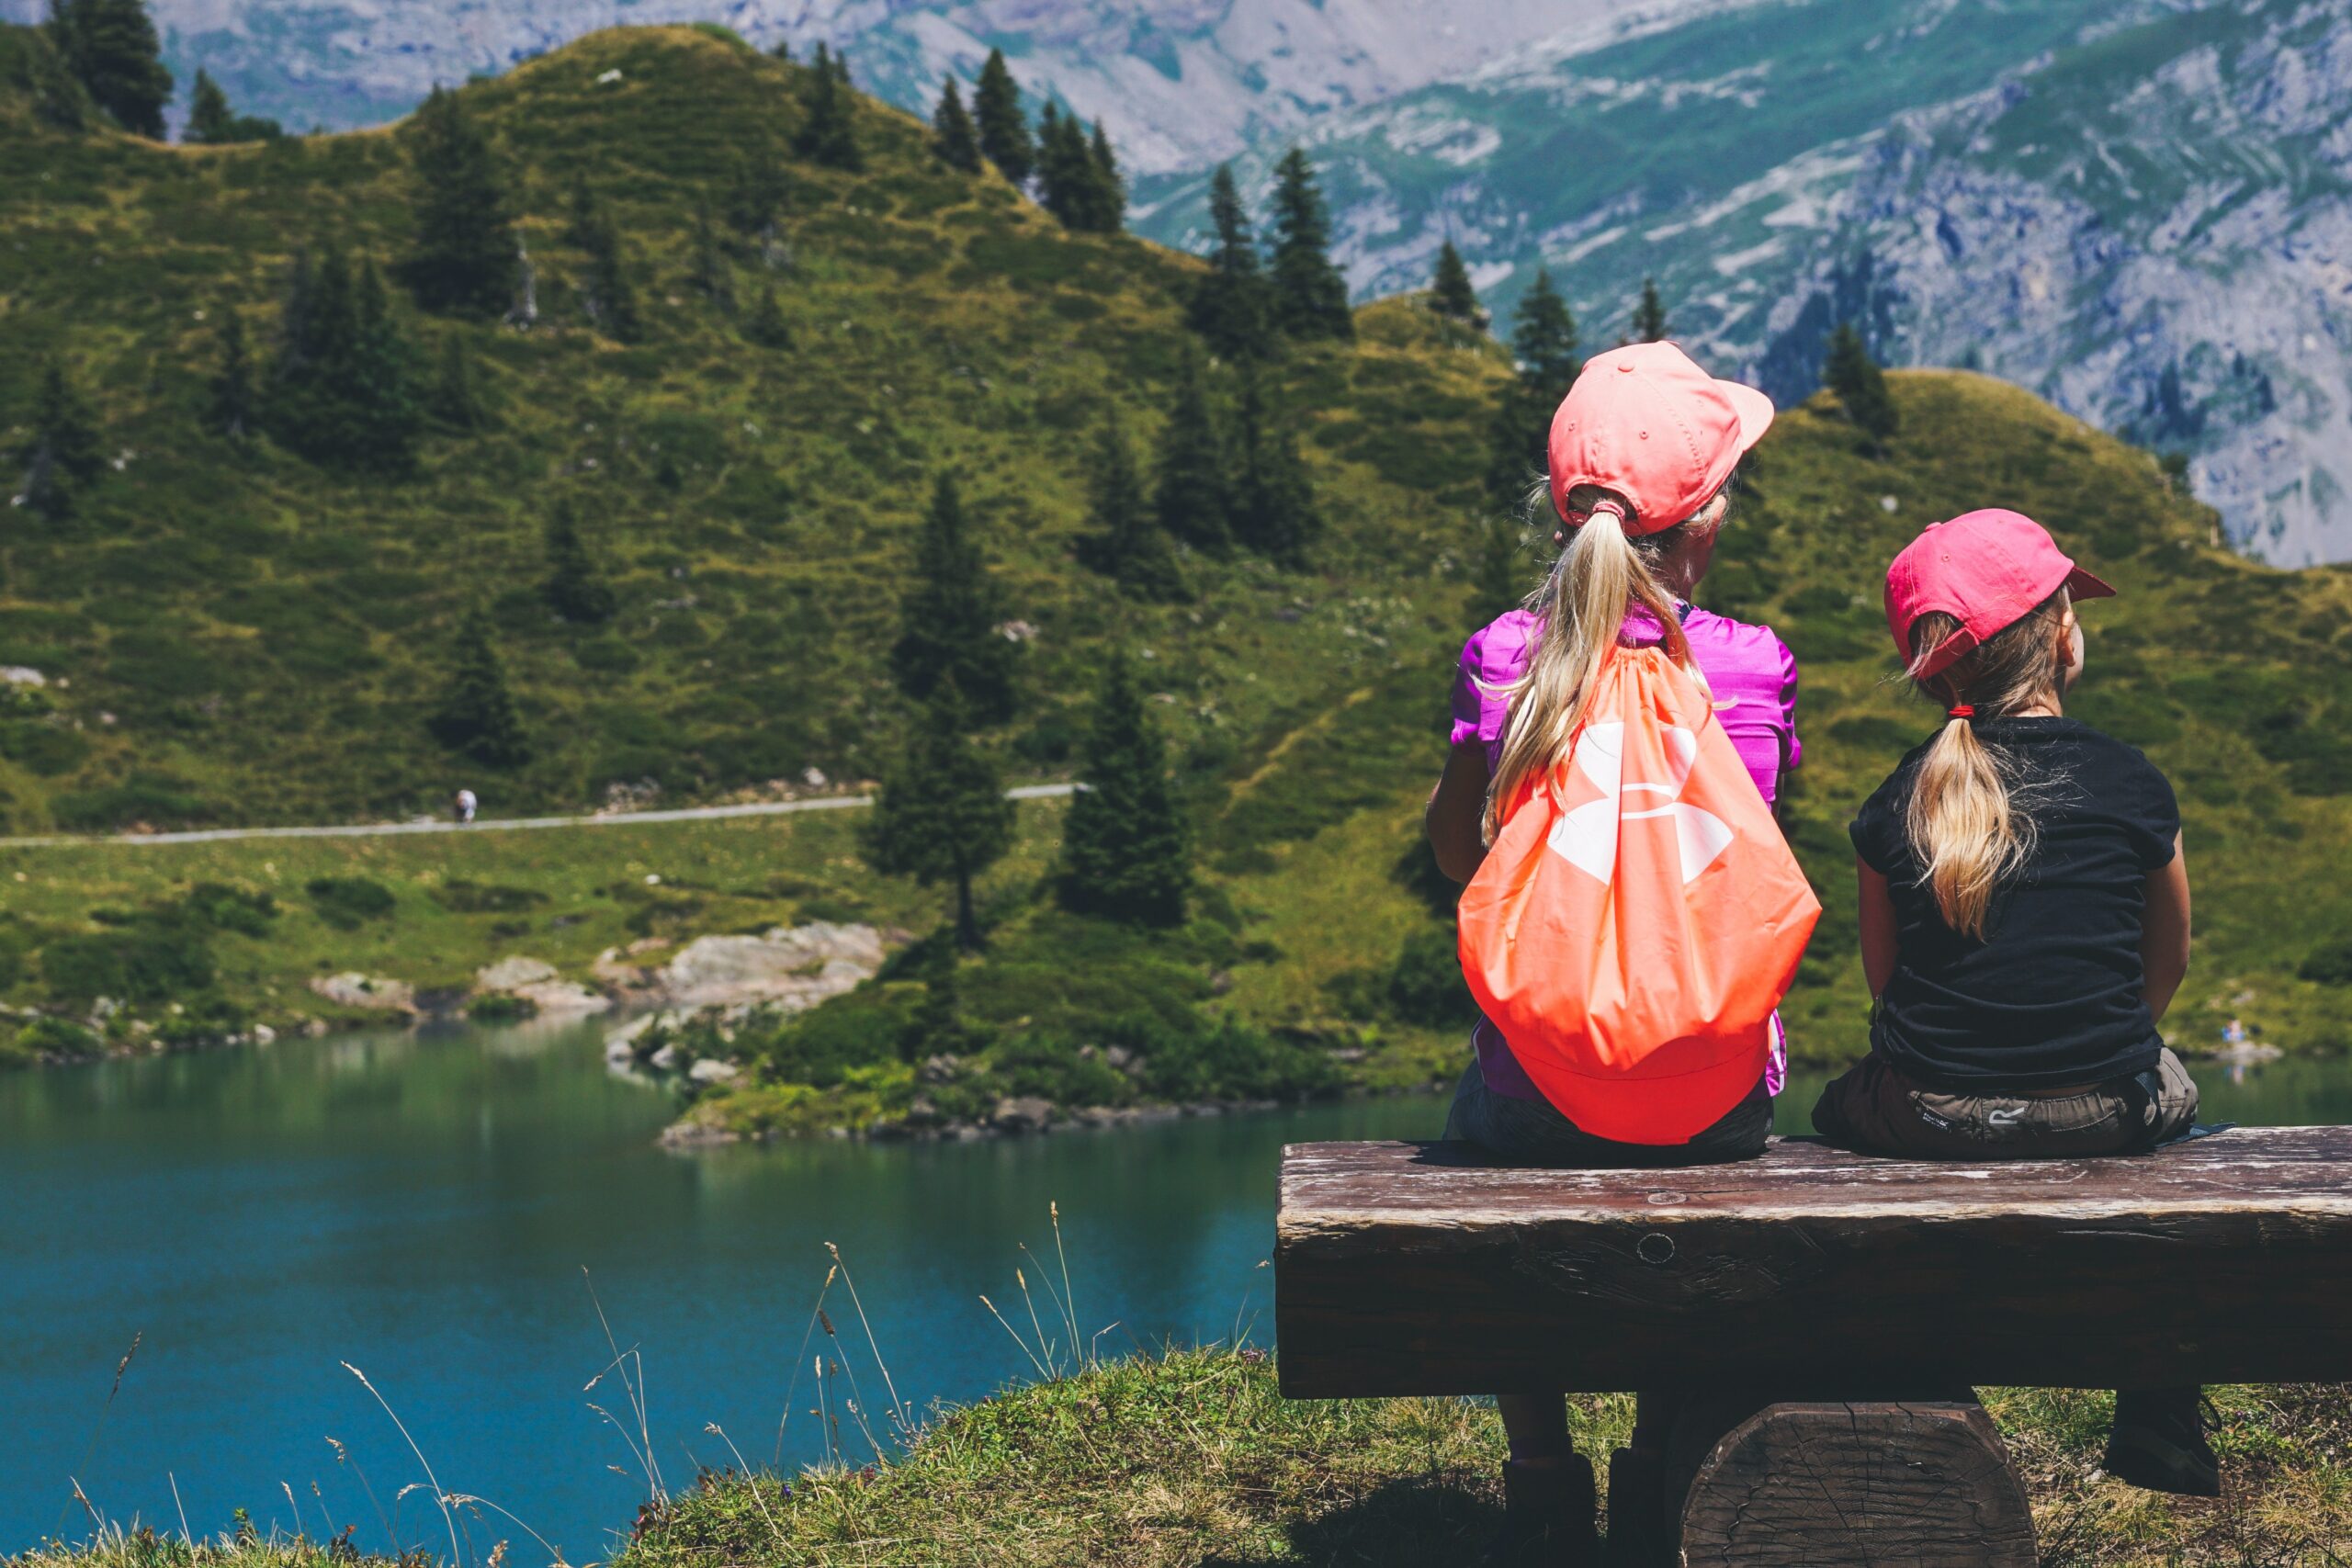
1406	1523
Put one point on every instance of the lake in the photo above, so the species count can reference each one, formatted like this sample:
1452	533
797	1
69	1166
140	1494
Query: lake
424	1207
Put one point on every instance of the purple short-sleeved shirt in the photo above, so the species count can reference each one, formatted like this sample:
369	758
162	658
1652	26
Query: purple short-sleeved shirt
1754	678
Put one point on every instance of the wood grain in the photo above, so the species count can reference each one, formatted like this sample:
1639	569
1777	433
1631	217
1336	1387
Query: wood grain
1411	1269
1853	1485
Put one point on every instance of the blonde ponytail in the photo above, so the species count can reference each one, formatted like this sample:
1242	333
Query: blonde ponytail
1969	821
1601	576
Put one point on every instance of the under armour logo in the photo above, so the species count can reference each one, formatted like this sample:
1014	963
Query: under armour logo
1586	835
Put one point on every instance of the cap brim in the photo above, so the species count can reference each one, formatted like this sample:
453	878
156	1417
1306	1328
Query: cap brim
1754	409
2081	584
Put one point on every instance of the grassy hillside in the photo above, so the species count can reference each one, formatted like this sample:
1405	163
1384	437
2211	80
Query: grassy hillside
237	634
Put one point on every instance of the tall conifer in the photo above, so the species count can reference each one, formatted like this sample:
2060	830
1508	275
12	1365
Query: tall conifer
1649	314
1110	209
1274	512
826	135
610	292
234	411
1126	543
343	391
1191	493
463	258
1543	347
574	589
954	141
112	47
458	400
1854	376
1310	297
947	623
767	325
1229	307
708	271
61	458
941	815
1451	293
1126	849
476	714
1004	127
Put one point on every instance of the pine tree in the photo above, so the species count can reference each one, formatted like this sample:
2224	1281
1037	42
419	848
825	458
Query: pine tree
941	815
1499	578
233	412
610	294
111	46
1004	129
766	326
61	458
1068	185
1125	544
574	589
1544	346
1110	212
826	135
476	712
1230	308
756	194
1854	376
1274	512
783	50
343	390
1649	315
1451	293
457	401
212	123
947	622
1310	297
1126	852
1192	495
464	256
954	141
841	68
708	272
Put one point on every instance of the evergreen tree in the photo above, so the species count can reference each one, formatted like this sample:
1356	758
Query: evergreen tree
783	50
234	411
1451	293
954	141
708	272
610	294
1110	212
826	135
756	194
111	46
1191	495
342	390
1861	386
1229	307
841	68
61	460
212	123
766	326
1066	178
947	622
464	256
1500	577
1649	315
1274	512
1004	129
941	815
1310	297
476	712
574	589
1126	852
1544	346
1125	544
457	401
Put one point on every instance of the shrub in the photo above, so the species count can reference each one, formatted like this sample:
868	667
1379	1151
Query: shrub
820	1047
2330	963
502	1008
50	1038
216	907
156	964
344	902
463	898
1425	985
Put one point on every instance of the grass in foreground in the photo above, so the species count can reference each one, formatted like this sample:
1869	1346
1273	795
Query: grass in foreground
1195	1458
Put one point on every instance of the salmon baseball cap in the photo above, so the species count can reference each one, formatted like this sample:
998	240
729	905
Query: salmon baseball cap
1645	421
1986	570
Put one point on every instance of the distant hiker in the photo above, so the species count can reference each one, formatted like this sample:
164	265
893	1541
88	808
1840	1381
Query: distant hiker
2024	912
466	804
1614	746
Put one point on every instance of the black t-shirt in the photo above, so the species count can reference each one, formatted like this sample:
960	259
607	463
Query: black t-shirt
2055	994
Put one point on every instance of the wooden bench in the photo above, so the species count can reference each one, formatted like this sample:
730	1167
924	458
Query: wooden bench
1827	1313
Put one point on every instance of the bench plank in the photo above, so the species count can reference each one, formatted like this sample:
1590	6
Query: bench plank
1413	1268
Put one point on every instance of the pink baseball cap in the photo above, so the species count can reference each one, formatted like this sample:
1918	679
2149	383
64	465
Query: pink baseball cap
1645	421
1987	569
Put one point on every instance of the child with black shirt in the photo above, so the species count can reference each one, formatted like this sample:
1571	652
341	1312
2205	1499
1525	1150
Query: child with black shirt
2024	912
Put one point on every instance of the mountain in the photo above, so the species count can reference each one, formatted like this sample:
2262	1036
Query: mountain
2138	209
1178	83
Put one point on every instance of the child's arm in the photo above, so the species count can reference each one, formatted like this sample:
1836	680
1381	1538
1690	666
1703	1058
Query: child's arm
1456	806
2163	930
1877	909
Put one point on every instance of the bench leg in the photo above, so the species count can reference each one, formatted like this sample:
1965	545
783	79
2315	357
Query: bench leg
1827	1485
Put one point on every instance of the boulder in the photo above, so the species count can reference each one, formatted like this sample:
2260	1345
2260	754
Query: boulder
792	967
1017	1114
537	983
353	989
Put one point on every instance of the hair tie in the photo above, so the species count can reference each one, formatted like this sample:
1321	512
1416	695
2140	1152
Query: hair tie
1960	710
1610	506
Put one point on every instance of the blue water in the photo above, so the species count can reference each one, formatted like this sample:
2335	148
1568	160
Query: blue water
423	1208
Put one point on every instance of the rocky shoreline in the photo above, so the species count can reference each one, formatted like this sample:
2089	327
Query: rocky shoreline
1014	1117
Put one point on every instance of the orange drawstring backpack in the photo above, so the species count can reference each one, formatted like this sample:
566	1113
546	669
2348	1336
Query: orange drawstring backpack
1639	915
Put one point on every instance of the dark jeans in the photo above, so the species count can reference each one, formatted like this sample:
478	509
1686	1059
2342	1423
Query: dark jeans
1531	1132
1875	1108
